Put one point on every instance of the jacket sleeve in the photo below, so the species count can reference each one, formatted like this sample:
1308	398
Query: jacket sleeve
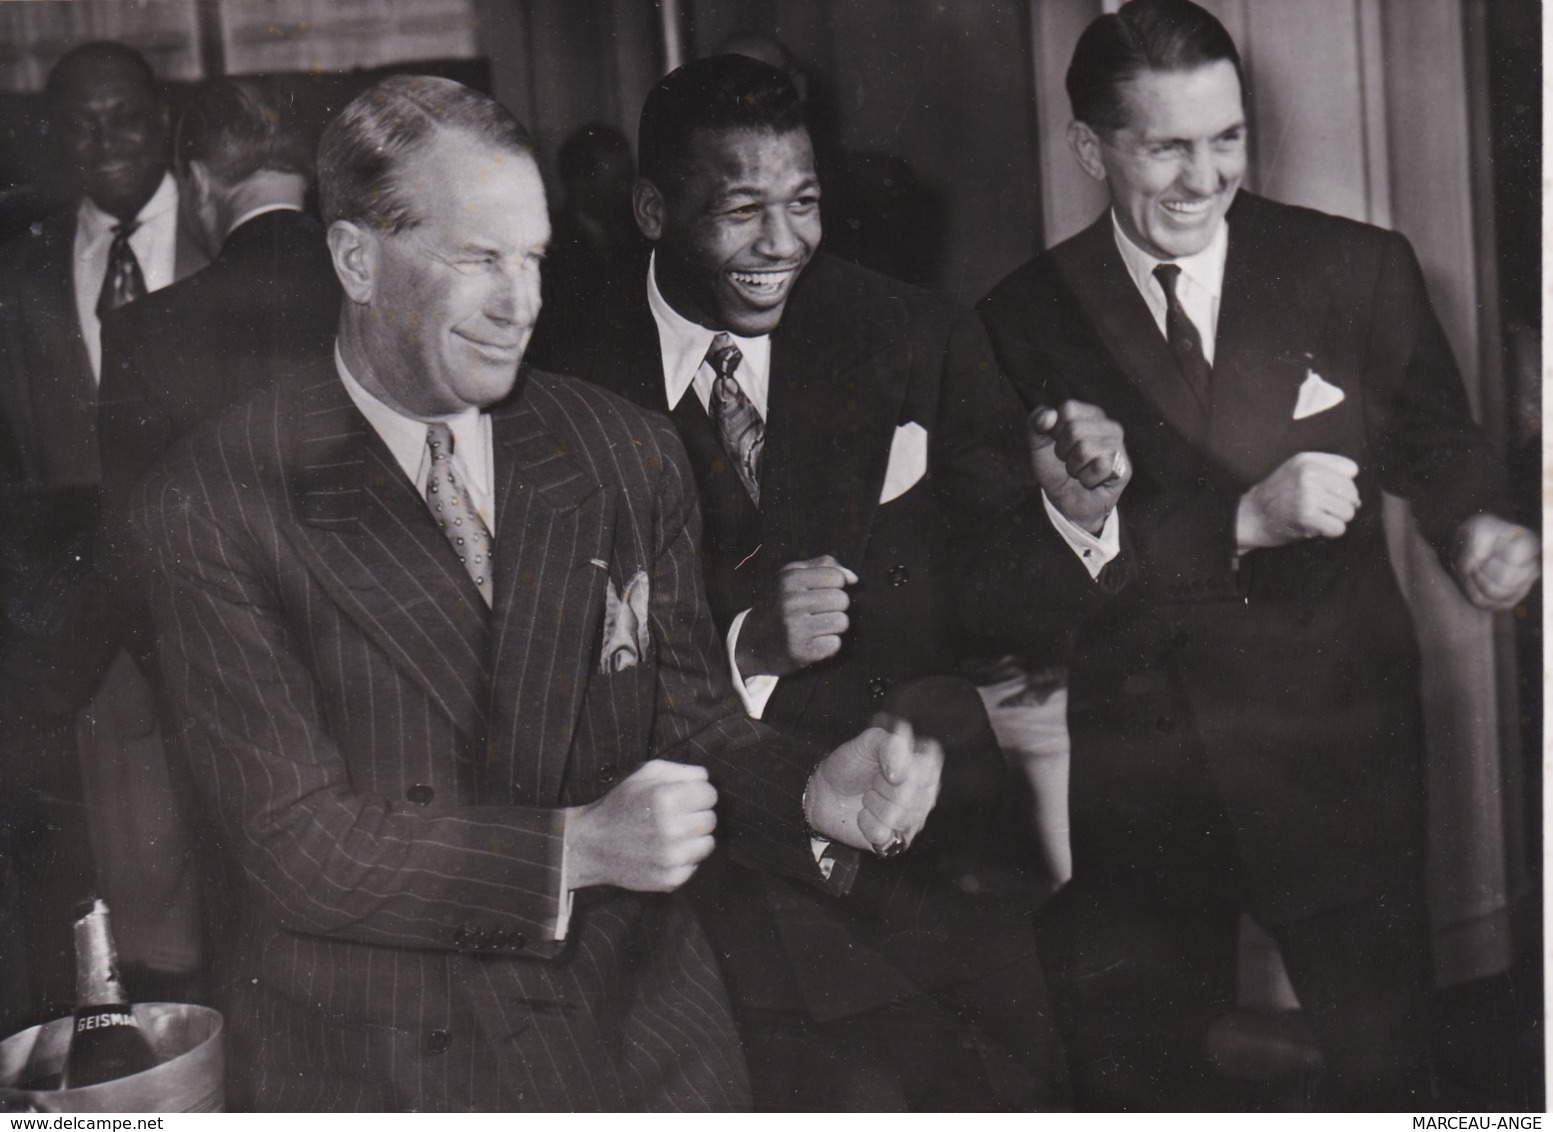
1431	451
760	774
328	858
1016	578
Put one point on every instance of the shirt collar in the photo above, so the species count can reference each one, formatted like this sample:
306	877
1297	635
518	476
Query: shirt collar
405	436
278	206
95	222
683	345
1205	268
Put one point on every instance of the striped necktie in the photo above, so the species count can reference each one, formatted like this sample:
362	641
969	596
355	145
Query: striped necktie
455	512
123	282
1181	334
742	431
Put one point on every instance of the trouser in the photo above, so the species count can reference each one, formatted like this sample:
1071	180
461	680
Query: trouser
1137	981
989	1044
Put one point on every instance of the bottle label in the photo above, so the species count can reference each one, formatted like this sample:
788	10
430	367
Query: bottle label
105	1019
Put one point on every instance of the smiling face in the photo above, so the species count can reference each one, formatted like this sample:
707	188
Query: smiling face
1173	170
444	309
112	129
733	236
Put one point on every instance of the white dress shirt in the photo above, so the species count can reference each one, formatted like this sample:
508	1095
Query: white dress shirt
155	244
1199	287
682	347
406	439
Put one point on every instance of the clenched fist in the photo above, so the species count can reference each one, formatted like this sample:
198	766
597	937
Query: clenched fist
1309	495
801	623
1496	562
647	834
876	791
1079	460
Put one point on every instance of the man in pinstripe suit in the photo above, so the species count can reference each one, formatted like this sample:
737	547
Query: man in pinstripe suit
462	791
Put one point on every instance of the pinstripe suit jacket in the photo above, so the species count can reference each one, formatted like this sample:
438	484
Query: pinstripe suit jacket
388	760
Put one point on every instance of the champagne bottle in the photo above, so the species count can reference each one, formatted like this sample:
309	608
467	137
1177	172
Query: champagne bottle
107	1041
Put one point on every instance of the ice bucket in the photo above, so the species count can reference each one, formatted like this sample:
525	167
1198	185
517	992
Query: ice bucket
187	1078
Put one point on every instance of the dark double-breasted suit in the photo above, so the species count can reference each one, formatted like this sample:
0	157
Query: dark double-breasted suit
859	365
390	761
1267	711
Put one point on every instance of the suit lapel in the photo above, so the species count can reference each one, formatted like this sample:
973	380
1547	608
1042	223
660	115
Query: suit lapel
373	546
835	399
554	527
1094	273
1267	335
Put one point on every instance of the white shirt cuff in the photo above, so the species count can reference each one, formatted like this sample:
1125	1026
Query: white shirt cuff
1094	551
756	691
563	917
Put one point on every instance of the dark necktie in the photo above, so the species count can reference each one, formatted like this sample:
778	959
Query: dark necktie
1181	333
123	283
455	512
742	431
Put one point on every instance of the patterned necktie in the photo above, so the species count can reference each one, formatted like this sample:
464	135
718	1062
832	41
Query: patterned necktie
1181	334
743	432
123	283
455	511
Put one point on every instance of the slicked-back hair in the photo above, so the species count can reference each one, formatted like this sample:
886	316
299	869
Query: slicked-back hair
720	92
88	59
1144	35
234	128
362	150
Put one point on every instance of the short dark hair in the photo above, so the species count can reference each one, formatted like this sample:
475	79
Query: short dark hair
235	129
88	59
1144	35
720	92
363	148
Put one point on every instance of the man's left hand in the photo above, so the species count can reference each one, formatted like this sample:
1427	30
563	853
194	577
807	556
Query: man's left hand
1079	460
1497	562
875	791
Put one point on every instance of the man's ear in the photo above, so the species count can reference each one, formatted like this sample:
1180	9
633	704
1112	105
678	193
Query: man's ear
355	251
1086	147
649	206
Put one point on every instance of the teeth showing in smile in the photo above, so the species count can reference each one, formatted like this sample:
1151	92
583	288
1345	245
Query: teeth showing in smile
762	282
1189	208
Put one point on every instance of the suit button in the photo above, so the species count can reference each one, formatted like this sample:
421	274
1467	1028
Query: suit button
516	941
899	576
608	773
438	1041
877	687
420	794
461	938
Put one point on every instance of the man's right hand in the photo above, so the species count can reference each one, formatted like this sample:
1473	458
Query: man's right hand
1309	495
648	834
801	623
1080	461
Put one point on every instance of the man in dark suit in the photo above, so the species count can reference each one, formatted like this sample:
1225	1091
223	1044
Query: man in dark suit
120	240
1245	719
849	435
450	682
268	301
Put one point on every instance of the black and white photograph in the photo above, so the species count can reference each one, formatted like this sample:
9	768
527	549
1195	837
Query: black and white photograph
825	556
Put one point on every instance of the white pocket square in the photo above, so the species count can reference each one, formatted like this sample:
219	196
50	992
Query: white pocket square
626	636
908	461
1316	396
